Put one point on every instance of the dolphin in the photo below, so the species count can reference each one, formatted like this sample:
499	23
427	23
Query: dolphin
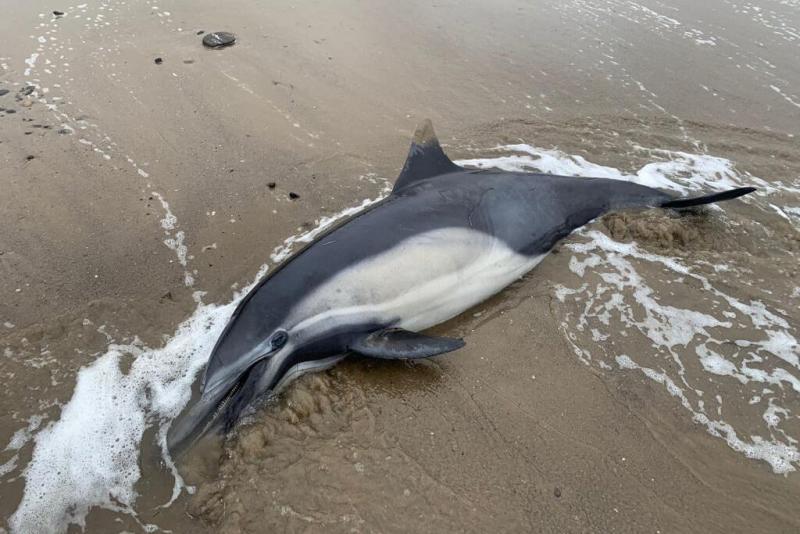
445	239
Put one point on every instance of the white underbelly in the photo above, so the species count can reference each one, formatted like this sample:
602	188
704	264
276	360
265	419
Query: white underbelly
423	281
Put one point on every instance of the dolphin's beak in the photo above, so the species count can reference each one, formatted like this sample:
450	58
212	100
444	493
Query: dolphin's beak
217	409
198	420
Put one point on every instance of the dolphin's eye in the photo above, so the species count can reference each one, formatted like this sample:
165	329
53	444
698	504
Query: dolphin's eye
279	339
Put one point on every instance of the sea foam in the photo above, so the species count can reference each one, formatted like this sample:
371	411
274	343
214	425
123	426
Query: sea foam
90	456
765	366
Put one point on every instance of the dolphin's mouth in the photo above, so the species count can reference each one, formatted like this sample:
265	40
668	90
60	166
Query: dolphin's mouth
214	411
213	418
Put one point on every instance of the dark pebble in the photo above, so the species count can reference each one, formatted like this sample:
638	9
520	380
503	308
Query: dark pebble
27	90
188	61
557	492
3	92
294	196
58	13
200	32
219	39
64	131
11	111
29	157
271	185
158	61
28	133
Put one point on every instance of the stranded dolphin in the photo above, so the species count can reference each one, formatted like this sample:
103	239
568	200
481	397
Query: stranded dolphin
444	240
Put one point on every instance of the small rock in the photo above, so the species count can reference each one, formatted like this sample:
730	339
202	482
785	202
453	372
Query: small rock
557	492
58	13
271	185
219	39
200	32
11	111
293	195
3	92
29	157
27	90
158	61
64	131
188	61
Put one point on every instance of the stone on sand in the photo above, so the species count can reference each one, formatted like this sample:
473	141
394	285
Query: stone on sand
219	39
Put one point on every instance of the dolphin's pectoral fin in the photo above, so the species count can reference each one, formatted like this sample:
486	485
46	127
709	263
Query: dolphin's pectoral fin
426	158
399	344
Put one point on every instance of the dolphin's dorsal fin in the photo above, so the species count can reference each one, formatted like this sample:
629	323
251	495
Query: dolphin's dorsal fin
399	344
426	158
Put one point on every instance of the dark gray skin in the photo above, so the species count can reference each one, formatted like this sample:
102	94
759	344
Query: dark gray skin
529	212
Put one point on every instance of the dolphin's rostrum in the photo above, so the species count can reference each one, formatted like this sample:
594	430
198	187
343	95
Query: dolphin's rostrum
445	239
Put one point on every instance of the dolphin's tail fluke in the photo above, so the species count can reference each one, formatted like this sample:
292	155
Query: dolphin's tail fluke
708	199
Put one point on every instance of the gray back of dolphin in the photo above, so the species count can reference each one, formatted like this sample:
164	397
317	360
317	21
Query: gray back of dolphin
520	214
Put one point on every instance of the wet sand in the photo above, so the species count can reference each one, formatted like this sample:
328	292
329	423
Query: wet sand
536	425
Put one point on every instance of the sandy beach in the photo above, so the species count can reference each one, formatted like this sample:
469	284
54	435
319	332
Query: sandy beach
645	377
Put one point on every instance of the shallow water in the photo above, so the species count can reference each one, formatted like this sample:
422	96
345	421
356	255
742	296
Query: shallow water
643	377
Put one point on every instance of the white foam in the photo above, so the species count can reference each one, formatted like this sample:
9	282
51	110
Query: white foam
793	100
175	240
779	455
169	220
678	171
30	61
611	291
90	456
682	172
668	327
23	435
